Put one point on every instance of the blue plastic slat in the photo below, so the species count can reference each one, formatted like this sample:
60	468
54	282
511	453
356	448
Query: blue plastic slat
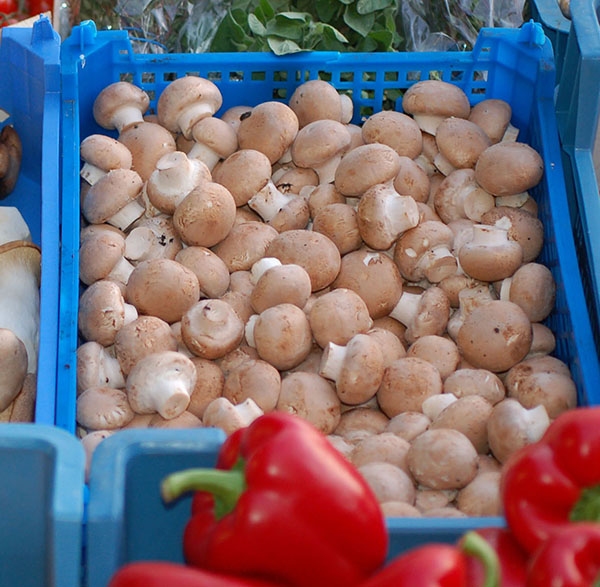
42	506
30	93
556	28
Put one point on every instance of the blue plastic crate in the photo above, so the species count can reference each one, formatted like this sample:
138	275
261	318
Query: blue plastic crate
42	506
577	110
556	28
515	65
30	93
126	518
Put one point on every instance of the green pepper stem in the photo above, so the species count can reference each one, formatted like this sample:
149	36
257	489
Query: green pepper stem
587	507
475	545
226	486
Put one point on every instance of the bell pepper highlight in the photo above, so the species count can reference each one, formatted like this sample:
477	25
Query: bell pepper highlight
548	485
284	506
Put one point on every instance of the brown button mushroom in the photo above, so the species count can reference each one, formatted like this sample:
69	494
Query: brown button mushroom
468	299
533	289
205	216
90	442
442	459
495	336
490	255
13	366
11	152
427	156
337	316
356	368
339	223
184	420
232	360
112	199
245	244
406	384
281	211
399	509
101	257
488	464
214	140
543	342
434	499
312	398
161	382
103	408
235	115
431	101
397	130
512	426
365	167
97	367
369	420
475	382
343	447
270	128
493	117
142	337
211	329
384	448
388	482
185	101
321	196
163	288
314	252
434	405
542	381
481	497
257	380
408	425
390	345
509	168
423	252
101	155
319	100
221	413
211	271
152	238
412	181
209	385
441	352
294	180
281	335
119	105
460	143
103	312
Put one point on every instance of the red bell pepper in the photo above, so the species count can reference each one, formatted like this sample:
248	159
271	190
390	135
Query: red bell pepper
439	565
547	485
512	558
164	574
570	558
288	508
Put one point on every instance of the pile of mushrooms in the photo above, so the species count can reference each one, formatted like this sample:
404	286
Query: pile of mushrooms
379	281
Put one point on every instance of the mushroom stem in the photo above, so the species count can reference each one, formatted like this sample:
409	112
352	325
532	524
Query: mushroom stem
121	271
425	164
434	405
109	370
138	243
130	314
91	173
269	201
438	263
326	171
402	213
204	153
261	266
406	308
476	202
12	225
191	115
126	116
125	217
537	422
177	174
505	289
249	330
443	165
332	361
510	134
514	201
286	157
428	122
489	235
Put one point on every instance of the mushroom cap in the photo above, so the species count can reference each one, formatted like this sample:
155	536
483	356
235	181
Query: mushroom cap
293	216
184	420
433	97
209	268
495	336
11	152
493	117
245	244
461	142
257	380
396	130
105	152
101	312
369	420
235	115
148	142
96	367
481	497
110	194
323	195
282	336
388	482
210	381
227	363
406	384
293	180
390	345
312	398
217	135
364	167
313	251
479	382
211	329
374	277
533	289
270	128
337	316
316	100
434	499
441	352
99	252
509	168
279	285
339	223
432	316
103	408
442	459
180	95
523	228
162	288
162	239
244	173
412	181
142	337
115	96
319	141
384	448
408	425
543	342
13	366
